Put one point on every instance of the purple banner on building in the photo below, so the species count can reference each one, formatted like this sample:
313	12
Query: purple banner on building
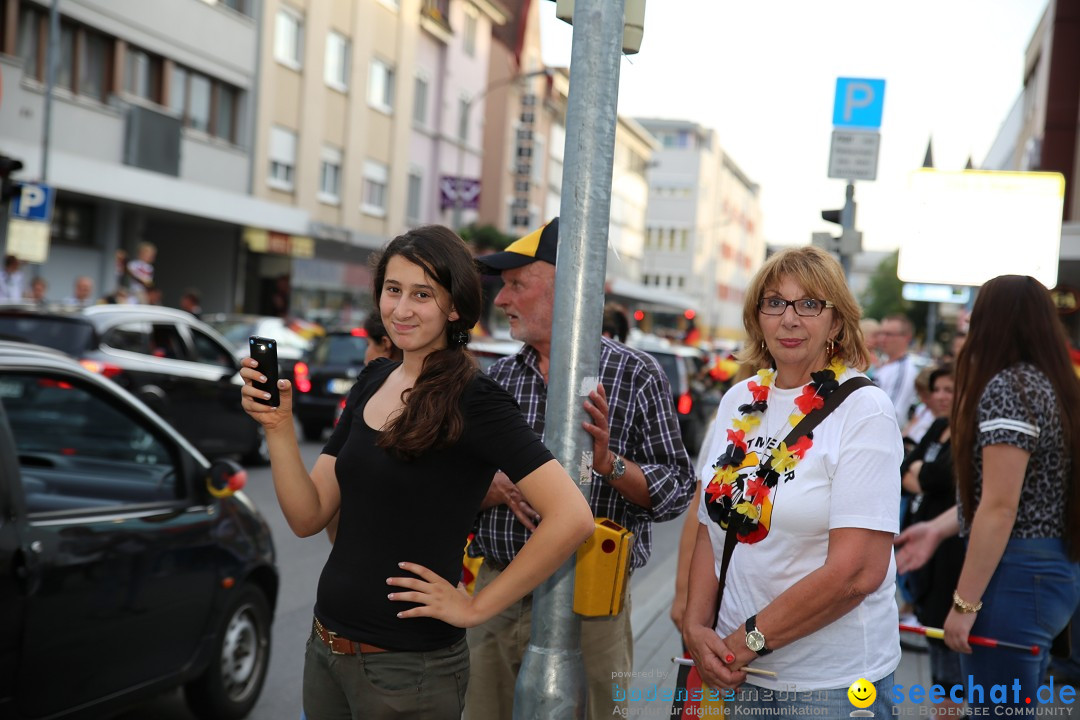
455	190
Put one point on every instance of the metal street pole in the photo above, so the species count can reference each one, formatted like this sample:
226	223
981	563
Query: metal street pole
50	80
847	224
462	142
551	682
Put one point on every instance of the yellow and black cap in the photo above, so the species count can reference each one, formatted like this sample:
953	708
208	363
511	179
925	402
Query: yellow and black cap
540	244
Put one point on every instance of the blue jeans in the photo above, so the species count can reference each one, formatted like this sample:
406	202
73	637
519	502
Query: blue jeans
751	701
1030	598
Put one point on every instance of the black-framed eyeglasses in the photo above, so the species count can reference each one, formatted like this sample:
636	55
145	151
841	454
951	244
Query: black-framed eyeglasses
804	307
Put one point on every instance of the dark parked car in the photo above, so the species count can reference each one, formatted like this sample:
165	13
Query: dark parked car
324	376
683	365
121	574
182	368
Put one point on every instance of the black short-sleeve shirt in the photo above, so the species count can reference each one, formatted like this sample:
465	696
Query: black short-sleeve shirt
1019	407
420	511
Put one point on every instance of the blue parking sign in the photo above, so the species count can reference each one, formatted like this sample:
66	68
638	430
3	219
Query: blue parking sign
34	202
859	103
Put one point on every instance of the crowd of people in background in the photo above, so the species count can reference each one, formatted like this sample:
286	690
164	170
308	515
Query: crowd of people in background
134	285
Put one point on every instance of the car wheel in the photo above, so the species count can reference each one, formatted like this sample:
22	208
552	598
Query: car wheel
231	684
260	453
312	431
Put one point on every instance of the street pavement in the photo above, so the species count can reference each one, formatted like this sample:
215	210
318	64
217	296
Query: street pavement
300	563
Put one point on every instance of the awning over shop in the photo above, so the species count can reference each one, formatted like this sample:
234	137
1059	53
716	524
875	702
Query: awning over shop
650	298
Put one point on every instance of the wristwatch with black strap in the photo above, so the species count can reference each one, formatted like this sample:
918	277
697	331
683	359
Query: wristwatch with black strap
755	640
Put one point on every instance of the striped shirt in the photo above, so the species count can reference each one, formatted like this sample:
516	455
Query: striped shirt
643	428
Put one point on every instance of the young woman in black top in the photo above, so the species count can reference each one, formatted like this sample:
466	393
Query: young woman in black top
407	466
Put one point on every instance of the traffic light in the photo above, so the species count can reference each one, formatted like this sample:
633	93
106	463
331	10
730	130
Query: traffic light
8	188
848	242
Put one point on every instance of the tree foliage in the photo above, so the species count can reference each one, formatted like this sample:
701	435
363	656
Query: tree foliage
486	237
884	295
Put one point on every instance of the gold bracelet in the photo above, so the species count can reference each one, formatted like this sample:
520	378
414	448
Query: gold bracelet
964	606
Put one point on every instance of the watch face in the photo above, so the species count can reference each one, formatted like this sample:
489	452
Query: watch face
755	640
618	467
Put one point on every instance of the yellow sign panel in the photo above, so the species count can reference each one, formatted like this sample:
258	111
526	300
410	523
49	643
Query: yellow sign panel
28	240
268	241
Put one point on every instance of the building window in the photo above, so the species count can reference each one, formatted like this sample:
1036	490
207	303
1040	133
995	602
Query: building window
142	75
239	6
336	72
412	202
225	121
199	105
376	177
381	86
72	223
65	60
202	103
471	22
282	154
94	55
178	86
29	45
420	100
330	176
288	39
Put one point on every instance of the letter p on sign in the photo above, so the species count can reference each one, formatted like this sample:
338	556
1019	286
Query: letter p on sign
859	103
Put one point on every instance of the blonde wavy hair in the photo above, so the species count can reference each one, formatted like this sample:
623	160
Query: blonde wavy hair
821	276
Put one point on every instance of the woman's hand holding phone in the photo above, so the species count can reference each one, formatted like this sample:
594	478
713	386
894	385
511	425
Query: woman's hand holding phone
264	397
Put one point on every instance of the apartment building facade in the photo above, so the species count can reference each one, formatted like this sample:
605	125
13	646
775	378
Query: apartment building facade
365	109
151	128
703	225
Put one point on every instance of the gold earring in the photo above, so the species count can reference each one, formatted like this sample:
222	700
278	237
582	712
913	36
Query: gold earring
830	347
762	344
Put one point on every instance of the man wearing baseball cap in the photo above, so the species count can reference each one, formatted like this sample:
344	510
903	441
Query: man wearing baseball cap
641	474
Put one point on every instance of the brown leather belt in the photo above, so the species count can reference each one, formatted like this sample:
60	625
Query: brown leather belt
343	646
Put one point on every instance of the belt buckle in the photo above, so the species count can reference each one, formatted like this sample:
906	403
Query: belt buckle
331	637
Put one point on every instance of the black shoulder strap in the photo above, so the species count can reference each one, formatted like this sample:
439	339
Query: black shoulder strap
803	428
814	417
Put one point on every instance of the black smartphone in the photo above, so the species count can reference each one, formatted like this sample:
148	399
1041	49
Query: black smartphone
264	350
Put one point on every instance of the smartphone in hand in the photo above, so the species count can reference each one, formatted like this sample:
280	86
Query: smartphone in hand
264	351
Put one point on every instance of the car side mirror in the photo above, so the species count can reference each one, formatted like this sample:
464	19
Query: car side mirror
225	478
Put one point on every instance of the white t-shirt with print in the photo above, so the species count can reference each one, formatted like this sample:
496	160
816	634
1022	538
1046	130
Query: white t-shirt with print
850	477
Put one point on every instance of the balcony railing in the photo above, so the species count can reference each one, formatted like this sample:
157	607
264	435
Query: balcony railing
435	16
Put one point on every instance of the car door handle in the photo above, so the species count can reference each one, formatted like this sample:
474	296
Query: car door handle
26	563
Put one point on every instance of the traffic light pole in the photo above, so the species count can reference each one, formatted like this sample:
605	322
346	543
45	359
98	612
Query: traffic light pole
551	682
847	224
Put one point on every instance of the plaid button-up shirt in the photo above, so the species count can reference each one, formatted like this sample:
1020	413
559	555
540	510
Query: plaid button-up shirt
643	429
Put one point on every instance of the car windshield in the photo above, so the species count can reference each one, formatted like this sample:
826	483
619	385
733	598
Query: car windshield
235	331
340	350
670	364
68	335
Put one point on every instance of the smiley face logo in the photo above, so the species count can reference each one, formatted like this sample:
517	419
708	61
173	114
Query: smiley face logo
862	693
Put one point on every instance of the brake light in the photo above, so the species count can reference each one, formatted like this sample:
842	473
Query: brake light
359	332
101	368
50	383
302	377
686	404
340	410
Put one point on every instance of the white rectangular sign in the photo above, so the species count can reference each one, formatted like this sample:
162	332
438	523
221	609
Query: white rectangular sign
853	154
966	227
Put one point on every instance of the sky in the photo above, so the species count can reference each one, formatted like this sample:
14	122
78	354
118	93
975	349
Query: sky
762	73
